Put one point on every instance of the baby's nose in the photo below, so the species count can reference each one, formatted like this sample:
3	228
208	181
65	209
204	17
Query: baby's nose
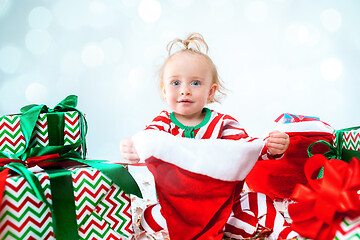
185	92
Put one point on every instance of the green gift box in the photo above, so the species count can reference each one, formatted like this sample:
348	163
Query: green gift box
347	142
76	203
38	127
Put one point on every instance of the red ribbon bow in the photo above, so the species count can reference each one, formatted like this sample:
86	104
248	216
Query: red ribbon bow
321	206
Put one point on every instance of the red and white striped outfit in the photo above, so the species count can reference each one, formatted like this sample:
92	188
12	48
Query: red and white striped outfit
251	211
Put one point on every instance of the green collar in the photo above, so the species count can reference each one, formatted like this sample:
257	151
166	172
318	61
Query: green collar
189	131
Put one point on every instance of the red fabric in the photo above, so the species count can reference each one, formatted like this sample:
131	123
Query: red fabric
3	176
321	205
195	206
278	178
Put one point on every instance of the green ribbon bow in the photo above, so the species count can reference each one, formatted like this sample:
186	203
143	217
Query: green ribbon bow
28	119
337	152
30	178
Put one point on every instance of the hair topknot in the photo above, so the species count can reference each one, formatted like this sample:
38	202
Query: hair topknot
193	42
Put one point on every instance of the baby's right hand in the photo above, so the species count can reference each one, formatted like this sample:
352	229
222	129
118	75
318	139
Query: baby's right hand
128	151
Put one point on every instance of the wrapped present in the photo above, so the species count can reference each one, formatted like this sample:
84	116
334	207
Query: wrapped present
328	207
347	142
291	118
67	203
348	229
26	134
345	146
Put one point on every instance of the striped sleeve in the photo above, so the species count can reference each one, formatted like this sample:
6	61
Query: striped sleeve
232	130
160	122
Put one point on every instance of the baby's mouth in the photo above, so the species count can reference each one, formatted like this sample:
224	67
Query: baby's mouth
184	101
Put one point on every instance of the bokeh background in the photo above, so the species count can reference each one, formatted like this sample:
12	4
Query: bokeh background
275	56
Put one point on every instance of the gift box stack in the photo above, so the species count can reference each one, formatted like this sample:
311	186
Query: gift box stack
49	190
328	206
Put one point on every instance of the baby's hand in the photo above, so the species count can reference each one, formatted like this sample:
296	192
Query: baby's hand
128	151
277	143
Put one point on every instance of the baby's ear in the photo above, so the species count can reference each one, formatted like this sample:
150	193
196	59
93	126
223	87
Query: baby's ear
163	92
212	92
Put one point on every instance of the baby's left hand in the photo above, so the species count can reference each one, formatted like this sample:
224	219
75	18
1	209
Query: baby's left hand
277	143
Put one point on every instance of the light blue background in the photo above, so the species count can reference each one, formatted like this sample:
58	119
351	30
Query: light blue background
275	56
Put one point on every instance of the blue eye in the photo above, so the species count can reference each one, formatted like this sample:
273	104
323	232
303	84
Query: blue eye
175	83
195	83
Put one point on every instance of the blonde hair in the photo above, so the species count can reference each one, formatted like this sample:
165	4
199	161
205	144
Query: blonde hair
193	44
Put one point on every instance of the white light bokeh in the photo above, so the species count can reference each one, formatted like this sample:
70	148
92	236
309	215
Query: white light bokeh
92	55
314	35
257	11
297	34
300	79
10	59
40	18
113	50
71	64
303	34
36	93
223	11
331	20
137	78
130	3
100	14
98	7
331	69
149	10
70	15
38	41
182	3
152	55
300	34
7	97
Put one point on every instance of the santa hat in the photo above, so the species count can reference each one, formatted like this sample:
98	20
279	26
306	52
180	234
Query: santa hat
196	179
278	178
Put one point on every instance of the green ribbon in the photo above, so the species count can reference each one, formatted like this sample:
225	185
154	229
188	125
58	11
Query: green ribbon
333	153
63	208
30	178
116	172
64	211
28	119
27	124
337	152
56	125
345	154
63	194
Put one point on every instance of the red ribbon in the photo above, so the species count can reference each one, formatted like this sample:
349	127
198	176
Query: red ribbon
321	206
30	162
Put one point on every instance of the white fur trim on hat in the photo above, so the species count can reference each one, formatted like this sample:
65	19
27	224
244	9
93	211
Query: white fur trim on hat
222	159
